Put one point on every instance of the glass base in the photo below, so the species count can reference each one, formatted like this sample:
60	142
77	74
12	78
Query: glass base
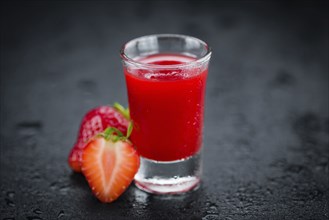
173	177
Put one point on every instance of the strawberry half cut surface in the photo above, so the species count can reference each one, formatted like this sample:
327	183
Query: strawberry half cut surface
109	163
94	122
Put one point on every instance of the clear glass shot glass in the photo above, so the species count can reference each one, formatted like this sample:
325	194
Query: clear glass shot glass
166	82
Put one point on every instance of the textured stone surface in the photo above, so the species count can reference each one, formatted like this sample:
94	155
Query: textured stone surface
266	124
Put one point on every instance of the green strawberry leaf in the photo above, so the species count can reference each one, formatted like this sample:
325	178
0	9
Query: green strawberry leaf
124	111
130	129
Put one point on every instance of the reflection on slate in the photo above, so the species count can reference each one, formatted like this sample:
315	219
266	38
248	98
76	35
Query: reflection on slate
266	123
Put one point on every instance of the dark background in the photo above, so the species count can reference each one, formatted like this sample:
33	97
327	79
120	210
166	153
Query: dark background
266	123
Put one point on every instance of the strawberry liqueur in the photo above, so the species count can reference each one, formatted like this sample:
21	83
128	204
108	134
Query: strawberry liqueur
166	108
166	82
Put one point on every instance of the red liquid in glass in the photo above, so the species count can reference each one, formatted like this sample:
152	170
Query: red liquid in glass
166	107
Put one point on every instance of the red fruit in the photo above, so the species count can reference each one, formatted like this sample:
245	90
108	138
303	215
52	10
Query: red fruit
109	166
75	158
94	122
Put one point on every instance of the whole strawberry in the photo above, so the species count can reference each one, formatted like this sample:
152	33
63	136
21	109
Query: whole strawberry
94	122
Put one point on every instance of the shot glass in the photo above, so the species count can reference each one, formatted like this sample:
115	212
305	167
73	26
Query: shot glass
166	81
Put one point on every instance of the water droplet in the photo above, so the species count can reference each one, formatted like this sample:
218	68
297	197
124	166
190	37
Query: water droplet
11	194
10	203
53	185
37	211
35	175
60	214
269	191
64	189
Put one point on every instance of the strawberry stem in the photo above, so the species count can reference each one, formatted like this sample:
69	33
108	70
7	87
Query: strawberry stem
124	111
112	133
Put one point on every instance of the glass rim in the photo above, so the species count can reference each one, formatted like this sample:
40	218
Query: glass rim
136	63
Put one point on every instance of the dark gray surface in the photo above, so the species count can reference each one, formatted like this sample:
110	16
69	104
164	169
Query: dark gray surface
266	123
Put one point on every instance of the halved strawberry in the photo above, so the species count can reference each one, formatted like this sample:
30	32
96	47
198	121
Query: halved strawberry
94	122
109	163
